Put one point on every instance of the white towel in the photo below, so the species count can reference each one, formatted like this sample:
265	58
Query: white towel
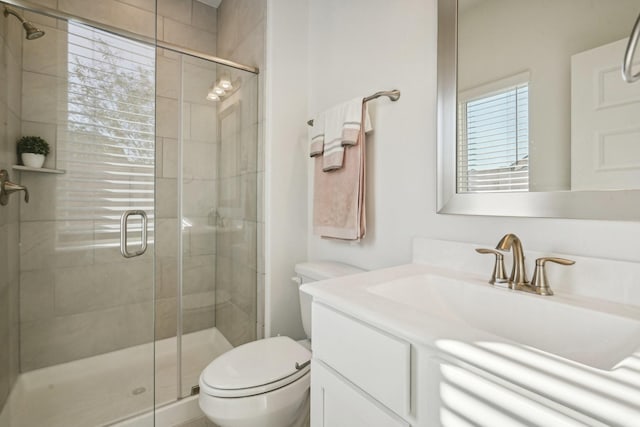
333	154
342	125
317	136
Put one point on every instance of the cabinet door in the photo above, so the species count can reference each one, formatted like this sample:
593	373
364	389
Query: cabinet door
337	403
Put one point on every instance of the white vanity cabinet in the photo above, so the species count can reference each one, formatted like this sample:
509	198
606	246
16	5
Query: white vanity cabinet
361	376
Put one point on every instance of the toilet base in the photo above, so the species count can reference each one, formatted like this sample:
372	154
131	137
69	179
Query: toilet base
285	407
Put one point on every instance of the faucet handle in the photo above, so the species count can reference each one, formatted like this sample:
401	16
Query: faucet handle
498	275
540	283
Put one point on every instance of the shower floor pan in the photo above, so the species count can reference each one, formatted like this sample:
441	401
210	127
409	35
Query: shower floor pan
104	389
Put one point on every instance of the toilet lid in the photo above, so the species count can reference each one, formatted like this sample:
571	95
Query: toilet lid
256	364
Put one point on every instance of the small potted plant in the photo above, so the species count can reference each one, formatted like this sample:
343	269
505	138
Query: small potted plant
32	150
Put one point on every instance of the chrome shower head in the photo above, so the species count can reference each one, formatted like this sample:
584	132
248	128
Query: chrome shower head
33	32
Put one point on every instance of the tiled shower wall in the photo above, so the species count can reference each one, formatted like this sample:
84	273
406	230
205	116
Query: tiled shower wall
11	36
240	254
199	192
76	304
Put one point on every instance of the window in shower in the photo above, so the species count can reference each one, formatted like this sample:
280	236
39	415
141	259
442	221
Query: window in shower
108	142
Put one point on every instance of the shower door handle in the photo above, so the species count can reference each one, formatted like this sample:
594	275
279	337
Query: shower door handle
124	220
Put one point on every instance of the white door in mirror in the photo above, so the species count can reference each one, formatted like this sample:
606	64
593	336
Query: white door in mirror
605	154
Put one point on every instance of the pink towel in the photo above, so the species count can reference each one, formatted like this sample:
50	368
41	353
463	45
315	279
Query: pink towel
339	195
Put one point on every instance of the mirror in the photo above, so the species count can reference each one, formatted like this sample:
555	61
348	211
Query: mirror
534	118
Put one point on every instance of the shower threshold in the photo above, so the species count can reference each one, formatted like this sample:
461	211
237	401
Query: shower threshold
103	389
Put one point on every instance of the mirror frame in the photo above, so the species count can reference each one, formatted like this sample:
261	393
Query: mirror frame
621	205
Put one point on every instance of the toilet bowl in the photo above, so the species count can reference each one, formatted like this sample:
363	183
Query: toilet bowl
266	383
262	383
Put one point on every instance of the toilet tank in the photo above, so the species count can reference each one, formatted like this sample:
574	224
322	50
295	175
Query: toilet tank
312	272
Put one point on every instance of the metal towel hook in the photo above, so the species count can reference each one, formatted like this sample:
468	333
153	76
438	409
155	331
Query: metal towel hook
627	74
7	187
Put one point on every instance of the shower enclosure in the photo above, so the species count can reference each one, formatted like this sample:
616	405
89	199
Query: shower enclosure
136	263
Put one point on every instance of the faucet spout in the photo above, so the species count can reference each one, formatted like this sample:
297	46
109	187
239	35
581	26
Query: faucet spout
518	276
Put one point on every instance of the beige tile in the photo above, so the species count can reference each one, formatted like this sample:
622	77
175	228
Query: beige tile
229	164
15	77
13	252
36	295
228	30
260	299
200	422
5	351
197	319
62	339
149	5
198	197
166	318
234	324
244	246
167	237
46	244
4	248
200	160
243	291
260	190
41	97
47	3
249	195
14	36
199	78
251	49
167	277
167	77
102	286
260	264
248	153
229	194
43	194
167	117
169	158
160	28
198	274
116	14
204	17
159	161
203	235
250	14
186	36
203	123
47	55
179	10
166	198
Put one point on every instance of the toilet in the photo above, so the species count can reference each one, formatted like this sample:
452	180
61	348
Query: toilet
265	383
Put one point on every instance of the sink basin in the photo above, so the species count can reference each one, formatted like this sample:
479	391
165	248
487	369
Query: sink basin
576	332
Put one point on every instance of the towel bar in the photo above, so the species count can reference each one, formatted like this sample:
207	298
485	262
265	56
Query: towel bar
393	95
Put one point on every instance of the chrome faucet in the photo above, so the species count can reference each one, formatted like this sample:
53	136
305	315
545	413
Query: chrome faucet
518	278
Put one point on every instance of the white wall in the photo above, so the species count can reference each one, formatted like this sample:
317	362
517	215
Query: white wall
285	163
362	46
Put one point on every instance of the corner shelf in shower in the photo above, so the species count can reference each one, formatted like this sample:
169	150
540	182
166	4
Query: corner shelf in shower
39	170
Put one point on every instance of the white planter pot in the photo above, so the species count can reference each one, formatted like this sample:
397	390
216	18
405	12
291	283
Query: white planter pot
33	160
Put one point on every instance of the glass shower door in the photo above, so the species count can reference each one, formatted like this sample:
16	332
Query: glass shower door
207	216
86	311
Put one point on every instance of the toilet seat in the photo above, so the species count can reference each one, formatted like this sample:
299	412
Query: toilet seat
255	368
